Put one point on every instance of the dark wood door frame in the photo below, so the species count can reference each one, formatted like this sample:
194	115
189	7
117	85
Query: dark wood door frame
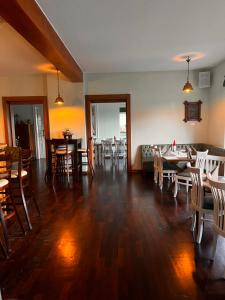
112	98
7	101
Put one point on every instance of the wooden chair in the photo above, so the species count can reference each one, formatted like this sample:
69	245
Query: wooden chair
26	157
201	204
120	151
218	192
184	178
107	150
19	180
8	207
86	157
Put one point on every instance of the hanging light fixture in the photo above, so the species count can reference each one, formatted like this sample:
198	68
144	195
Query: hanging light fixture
59	99
188	87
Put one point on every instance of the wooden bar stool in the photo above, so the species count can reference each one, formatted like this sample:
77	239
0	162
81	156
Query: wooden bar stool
62	159
86	154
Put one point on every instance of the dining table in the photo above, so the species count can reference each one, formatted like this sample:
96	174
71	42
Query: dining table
178	157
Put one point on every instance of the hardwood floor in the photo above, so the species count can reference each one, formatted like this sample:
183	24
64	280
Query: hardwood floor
118	237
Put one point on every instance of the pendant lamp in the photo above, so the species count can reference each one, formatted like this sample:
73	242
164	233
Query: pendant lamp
188	87
59	100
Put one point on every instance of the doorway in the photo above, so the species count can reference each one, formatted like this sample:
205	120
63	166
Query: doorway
120	104
26	123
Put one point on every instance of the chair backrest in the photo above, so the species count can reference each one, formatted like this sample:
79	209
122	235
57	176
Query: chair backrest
165	148
26	159
218	192
120	147
212	162
197	187
107	147
200	160
59	144
159	161
5	166
15	154
155	158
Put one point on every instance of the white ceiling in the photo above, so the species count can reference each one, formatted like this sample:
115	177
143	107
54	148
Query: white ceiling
139	35
17	56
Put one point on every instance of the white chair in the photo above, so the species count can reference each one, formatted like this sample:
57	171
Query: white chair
120	151
201	204
218	192
213	161
164	173
183	178
107	150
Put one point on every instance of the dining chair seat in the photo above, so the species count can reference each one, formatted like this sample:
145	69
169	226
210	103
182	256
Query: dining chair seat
3	183
82	150
63	152
14	173
185	174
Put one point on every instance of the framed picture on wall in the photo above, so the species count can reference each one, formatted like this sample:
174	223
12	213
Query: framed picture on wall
192	111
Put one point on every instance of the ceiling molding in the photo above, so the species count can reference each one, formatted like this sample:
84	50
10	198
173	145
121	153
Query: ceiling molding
27	18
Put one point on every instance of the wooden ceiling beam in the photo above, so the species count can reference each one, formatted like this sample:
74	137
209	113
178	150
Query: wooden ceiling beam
26	17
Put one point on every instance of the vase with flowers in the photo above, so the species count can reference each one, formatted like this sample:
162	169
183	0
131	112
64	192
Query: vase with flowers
67	134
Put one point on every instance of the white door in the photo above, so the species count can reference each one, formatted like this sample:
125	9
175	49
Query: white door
39	131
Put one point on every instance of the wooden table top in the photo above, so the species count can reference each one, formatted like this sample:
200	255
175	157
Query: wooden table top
177	158
3	145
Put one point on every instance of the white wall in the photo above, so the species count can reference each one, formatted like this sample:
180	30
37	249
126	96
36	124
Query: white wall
70	115
30	85
108	120
157	109
216	134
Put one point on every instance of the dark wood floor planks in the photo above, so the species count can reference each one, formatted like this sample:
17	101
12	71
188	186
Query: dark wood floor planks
117	237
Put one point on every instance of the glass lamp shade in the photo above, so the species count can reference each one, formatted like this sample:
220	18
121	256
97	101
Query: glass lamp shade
59	100
187	87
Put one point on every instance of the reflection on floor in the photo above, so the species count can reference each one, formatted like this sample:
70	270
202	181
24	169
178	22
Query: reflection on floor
110	165
116	237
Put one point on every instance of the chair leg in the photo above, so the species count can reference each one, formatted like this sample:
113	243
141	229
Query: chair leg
175	188
156	176
160	181
3	250
187	186
200	228
215	239
91	167
193	221
25	206
5	230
